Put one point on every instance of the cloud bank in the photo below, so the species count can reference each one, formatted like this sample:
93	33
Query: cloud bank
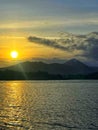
87	45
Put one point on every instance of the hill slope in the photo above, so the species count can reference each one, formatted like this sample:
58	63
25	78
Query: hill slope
72	66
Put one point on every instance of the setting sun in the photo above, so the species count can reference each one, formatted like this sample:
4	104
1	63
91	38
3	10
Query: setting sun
14	54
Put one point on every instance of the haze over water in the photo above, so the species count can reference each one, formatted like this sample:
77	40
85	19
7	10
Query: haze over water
49	105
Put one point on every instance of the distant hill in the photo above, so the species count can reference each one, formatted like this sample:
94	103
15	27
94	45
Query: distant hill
92	76
72	66
72	69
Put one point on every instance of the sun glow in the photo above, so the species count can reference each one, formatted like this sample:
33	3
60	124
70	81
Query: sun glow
14	54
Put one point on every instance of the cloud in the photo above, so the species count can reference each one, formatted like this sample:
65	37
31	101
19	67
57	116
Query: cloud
85	45
47	42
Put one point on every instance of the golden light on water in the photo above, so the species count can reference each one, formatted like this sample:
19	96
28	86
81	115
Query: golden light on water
14	54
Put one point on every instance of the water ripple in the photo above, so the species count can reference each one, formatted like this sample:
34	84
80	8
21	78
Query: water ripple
69	126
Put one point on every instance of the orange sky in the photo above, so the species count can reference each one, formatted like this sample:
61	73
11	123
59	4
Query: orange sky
27	50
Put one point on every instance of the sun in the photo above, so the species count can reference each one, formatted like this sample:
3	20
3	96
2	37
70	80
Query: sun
14	54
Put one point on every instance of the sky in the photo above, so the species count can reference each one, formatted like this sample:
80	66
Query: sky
50	19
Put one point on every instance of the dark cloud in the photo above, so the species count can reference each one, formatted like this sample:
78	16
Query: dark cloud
88	44
46	42
91	53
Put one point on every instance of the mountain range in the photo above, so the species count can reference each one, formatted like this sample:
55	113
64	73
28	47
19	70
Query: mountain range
70	67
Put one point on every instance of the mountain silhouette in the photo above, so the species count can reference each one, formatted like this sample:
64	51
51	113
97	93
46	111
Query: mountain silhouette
72	66
71	69
75	66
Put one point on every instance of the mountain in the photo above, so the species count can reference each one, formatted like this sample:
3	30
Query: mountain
71	67
74	66
92	76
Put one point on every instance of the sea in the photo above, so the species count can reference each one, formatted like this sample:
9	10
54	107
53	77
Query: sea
49	105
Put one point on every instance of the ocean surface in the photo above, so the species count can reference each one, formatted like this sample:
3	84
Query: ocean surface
49	105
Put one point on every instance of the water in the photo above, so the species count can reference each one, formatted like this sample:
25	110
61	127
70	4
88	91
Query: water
49	105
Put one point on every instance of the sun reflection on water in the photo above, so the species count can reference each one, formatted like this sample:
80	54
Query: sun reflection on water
12	113
13	93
